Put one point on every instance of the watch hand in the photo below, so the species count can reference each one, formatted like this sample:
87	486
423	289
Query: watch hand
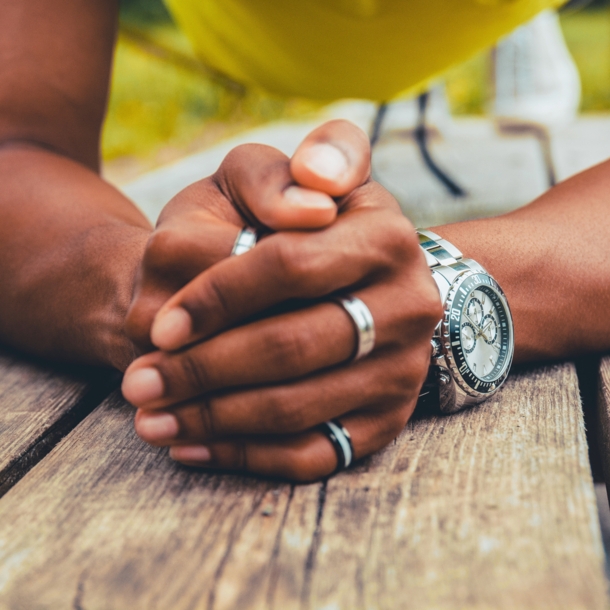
477	327
482	330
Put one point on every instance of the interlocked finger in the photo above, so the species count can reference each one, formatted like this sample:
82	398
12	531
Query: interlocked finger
173	257
257	180
360	244
302	457
271	350
289	407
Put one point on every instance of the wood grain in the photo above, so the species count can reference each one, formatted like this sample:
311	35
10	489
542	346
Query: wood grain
603	417
490	508
38	406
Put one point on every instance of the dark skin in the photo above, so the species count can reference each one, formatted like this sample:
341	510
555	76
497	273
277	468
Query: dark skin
85	278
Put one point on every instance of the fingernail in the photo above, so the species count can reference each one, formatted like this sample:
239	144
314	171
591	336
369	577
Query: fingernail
190	453
142	386
305	198
326	161
171	329
157	426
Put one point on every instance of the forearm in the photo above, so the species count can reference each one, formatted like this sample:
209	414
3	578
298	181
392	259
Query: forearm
70	245
552	259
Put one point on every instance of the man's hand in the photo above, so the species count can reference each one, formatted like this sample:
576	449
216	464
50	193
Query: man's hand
238	390
255	185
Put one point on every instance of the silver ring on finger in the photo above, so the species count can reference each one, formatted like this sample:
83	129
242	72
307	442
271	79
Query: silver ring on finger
364	324
245	241
341	441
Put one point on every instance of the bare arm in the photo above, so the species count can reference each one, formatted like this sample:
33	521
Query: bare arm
552	258
70	244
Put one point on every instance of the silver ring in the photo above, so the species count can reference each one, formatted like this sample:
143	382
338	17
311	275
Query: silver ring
246	240
341	441
363	321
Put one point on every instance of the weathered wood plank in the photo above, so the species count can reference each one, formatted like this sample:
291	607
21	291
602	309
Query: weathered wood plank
38	406
603	417
490	508
493	508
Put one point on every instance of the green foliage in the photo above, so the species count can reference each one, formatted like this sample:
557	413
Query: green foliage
588	36
144	12
467	86
156	104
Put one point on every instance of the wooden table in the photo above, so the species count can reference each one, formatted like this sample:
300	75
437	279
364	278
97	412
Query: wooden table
493	507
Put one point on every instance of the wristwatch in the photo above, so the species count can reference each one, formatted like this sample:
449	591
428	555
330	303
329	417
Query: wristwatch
473	344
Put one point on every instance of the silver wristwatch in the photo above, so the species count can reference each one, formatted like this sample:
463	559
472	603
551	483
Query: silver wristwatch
473	344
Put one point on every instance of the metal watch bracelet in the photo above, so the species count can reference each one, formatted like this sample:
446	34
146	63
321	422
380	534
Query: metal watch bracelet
445	260
446	263
453	381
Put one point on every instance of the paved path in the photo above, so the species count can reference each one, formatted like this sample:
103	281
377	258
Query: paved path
499	173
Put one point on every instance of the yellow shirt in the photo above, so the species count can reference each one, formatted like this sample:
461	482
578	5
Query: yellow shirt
330	49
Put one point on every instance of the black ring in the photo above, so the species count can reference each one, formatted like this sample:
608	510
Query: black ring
343	447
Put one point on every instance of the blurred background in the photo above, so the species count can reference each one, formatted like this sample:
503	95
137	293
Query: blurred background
164	105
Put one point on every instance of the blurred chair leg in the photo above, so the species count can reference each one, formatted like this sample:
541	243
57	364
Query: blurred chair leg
421	137
377	123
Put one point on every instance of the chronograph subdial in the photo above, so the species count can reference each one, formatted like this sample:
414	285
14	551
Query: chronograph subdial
469	337
474	310
489	329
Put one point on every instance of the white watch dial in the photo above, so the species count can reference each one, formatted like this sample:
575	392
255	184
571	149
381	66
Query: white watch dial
479	333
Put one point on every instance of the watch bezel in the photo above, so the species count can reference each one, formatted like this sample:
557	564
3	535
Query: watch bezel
484	389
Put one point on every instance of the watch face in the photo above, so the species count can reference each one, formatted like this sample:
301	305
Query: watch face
480	333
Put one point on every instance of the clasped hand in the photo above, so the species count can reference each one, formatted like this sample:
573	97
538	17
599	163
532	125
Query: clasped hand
244	356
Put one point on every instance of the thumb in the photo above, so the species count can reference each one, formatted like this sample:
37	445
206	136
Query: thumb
335	158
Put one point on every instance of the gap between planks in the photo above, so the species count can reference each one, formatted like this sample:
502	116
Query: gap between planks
39	405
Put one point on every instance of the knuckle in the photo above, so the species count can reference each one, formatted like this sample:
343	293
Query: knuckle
430	306
299	265
195	372
231	455
306	467
404	372
247	165
400	239
137	324
286	348
288	262
161	245
392	422
284	414
218	292
417	311
207	302
233	160
243	151
208	418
